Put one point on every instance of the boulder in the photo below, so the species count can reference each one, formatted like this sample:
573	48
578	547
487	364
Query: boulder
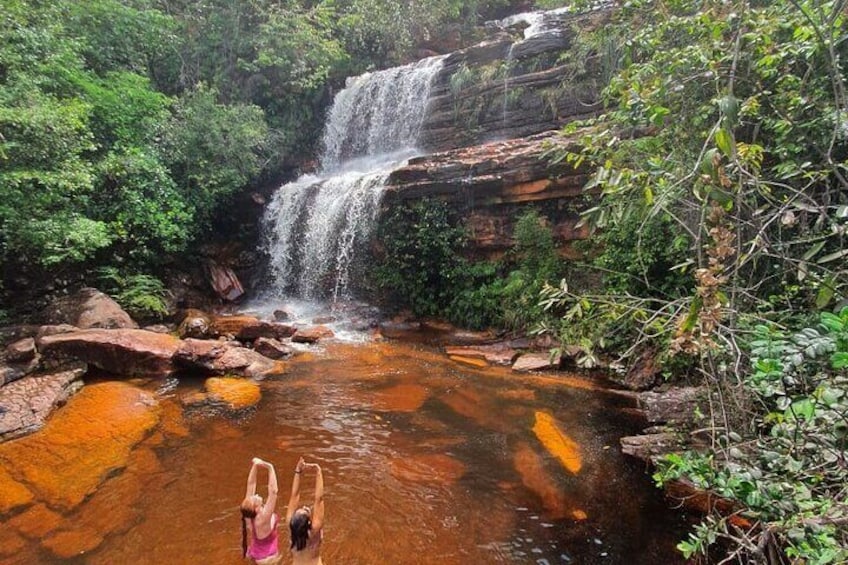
88	308
26	403
249	328
196	324
222	358
133	353
281	315
229	393
311	334
21	351
644	372
272	348
536	362
496	354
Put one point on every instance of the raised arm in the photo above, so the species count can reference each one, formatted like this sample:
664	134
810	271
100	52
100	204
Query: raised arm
318	509
294	499
251	477
271	502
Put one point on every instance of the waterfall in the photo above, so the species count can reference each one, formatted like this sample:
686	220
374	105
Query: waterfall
315	226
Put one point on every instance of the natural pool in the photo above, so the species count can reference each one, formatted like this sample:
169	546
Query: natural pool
425	460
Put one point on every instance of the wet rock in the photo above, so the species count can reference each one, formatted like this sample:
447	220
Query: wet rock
312	334
221	358
82	444
281	315
229	393
36	522
26	403
21	351
196	324
496	354
249	328
400	398
88	308
534	475
15	495
320	320
69	544
133	353
272	348
536	362
557	442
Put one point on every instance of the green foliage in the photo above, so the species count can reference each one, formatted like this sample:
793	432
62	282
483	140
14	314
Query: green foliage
423	269
215	148
422	258
142	296
791	477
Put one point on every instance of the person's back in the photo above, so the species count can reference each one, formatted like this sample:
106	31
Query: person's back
311	554
306	524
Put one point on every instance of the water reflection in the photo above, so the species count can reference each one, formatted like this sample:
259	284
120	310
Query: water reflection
425	460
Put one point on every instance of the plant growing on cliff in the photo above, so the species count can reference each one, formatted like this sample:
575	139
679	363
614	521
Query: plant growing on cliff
726	126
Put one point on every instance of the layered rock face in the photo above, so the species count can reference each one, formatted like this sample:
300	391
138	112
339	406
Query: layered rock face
494	113
491	183
508	87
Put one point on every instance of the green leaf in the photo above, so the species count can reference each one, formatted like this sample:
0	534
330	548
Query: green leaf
724	141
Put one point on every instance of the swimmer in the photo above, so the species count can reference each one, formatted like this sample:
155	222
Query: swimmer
306	523
260	518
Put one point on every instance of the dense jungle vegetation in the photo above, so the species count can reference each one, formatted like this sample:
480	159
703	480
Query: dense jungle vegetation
718	243
126	126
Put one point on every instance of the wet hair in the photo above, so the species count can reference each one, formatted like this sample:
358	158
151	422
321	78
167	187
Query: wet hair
248	512
300	524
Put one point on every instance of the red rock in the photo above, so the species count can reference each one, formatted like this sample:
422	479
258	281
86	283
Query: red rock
26	403
89	308
21	350
248	328
312	334
233	394
223	358
122	352
272	348
224	281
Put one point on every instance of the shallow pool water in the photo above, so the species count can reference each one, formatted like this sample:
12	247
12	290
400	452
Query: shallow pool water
426	461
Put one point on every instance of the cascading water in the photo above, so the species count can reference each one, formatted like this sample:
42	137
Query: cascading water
315	224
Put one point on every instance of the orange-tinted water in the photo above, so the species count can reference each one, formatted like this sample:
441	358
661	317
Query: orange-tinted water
426	461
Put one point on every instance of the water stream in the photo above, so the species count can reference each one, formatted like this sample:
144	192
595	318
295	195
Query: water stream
315	225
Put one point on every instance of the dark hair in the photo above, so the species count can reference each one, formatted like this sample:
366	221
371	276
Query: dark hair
300	524
247	513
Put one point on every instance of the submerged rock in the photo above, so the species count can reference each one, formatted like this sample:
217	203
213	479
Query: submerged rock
230	393
272	348
83	444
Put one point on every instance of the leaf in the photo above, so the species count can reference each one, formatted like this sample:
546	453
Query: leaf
724	141
832	256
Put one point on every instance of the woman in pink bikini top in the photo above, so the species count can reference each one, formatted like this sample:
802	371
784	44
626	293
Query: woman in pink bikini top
306	524
260	519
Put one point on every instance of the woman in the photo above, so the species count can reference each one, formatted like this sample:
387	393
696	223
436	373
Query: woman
306	523
260	517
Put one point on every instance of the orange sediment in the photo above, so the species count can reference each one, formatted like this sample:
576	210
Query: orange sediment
82	444
560	445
